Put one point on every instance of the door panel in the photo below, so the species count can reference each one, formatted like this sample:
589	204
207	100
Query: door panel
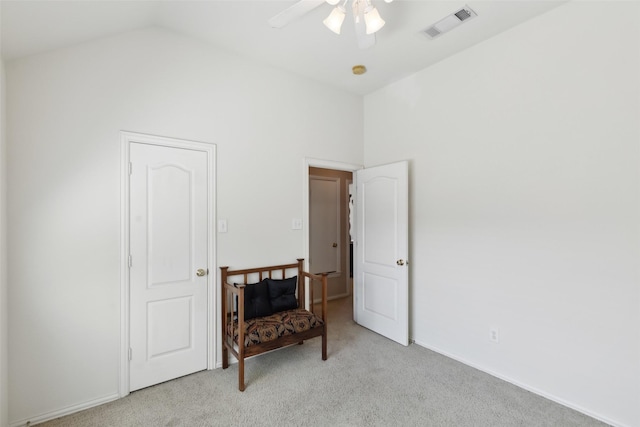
169	324
379	238
380	294
324	214
381	247
168	244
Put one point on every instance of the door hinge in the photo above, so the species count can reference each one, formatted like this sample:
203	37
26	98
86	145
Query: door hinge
130	261
130	353
130	168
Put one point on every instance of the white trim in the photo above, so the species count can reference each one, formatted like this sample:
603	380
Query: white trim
126	138
66	411
524	386
123	380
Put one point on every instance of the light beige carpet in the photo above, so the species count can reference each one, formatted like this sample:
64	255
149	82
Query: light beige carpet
367	381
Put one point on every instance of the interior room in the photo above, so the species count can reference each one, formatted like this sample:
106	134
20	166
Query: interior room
520	126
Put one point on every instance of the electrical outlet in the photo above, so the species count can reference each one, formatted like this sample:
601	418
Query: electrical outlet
494	335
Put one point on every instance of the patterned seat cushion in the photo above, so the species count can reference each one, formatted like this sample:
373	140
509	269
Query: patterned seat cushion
269	328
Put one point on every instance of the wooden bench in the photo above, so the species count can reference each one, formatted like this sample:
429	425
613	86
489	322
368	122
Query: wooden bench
249	328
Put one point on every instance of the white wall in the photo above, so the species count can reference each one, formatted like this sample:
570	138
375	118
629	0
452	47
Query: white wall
65	111
4	369
525	203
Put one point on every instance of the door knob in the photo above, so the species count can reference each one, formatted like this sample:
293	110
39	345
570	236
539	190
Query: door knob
201	272
335	245
400	262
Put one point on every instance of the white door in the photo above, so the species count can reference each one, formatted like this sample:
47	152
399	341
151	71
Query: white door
168	247
381	297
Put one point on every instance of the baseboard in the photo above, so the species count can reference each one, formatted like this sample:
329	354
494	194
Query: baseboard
527	387
334	297
65	411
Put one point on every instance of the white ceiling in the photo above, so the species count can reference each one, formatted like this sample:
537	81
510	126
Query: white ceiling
305	47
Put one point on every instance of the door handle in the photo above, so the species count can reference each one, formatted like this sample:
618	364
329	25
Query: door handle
400	262
335	245
201	272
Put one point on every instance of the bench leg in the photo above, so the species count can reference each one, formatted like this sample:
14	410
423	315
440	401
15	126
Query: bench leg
324	344
241	374
225	356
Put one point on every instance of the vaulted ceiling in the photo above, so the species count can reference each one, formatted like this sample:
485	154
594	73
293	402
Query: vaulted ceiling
305	46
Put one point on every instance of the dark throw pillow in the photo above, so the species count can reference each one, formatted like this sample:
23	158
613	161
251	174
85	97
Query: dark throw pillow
256	300
282	294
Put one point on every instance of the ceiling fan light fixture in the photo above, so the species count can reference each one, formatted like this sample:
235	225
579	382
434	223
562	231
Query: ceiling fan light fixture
335	2
335	19
373	20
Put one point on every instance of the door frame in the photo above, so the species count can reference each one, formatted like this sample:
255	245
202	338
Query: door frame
126	138
317	163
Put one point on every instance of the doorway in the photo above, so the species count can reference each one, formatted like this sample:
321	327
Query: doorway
309	165
381	222
329	229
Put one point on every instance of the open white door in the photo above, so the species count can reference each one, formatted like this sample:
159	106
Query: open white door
381	297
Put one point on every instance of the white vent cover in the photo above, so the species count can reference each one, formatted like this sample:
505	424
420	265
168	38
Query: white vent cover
450	22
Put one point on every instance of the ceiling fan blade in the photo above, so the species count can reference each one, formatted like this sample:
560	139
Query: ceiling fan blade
294	12
364	40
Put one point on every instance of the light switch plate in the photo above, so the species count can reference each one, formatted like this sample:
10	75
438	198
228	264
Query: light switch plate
296	224
222	226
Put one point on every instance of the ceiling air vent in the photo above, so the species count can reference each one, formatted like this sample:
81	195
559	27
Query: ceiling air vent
432	31
463	14
450	22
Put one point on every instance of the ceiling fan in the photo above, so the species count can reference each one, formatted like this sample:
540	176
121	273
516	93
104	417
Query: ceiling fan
366	17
